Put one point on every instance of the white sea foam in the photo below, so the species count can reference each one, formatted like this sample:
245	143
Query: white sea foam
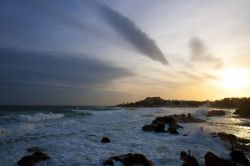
201	113
75	140
81	111
40	116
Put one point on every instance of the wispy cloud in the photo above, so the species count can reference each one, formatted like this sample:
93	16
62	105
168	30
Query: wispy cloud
200	54
131	33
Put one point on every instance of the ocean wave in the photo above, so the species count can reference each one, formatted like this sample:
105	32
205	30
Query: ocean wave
80	111
40	116
201	113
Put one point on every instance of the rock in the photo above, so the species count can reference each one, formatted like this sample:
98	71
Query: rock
164	119
160	127
186	119
33	159
105	140
213	160
243	112
216	113
148	128
188	160
239	156
129	160
234	142
108	162
172	131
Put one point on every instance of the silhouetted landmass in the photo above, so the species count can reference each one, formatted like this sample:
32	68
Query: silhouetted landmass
243	104
159	102
233	102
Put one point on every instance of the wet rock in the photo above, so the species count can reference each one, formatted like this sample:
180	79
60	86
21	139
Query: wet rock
216	113
188	160
160	127
239	157
105	140
233	142
212	159
108	162
243	112
33	159
148	128
187	118
129	160
172	131
163	119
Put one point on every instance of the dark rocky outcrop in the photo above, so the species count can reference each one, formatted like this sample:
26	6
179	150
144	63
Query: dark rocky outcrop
158	124
105	140
243	112
233	142
239	157
159	102
187	118
188	160
212	159
33	159
128	160
150	127
172	130
160	127
216	113
182	118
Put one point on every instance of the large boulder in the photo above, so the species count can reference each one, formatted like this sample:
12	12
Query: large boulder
212	159
239	157
148	127
33	159
105	140
188	160
233	142
163	119
243	112
160	127
128	160
216	113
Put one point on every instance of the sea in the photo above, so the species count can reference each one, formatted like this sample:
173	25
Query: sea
71	136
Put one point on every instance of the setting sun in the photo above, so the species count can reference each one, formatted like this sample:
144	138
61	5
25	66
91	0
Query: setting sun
234	78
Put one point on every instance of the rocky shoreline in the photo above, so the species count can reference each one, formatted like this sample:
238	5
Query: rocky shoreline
236	146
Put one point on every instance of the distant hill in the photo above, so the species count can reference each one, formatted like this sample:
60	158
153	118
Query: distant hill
159	102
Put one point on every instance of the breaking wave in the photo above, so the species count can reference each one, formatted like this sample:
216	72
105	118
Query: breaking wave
40	116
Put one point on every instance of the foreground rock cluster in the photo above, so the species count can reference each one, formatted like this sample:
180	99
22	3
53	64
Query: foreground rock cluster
128	160
158	124
243	112
236	145
36	157
216	113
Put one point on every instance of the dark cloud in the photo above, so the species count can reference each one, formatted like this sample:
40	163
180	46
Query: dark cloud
199	53
131	33
55	69
39	72
37	24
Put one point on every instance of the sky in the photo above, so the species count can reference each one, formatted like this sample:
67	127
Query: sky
96	52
